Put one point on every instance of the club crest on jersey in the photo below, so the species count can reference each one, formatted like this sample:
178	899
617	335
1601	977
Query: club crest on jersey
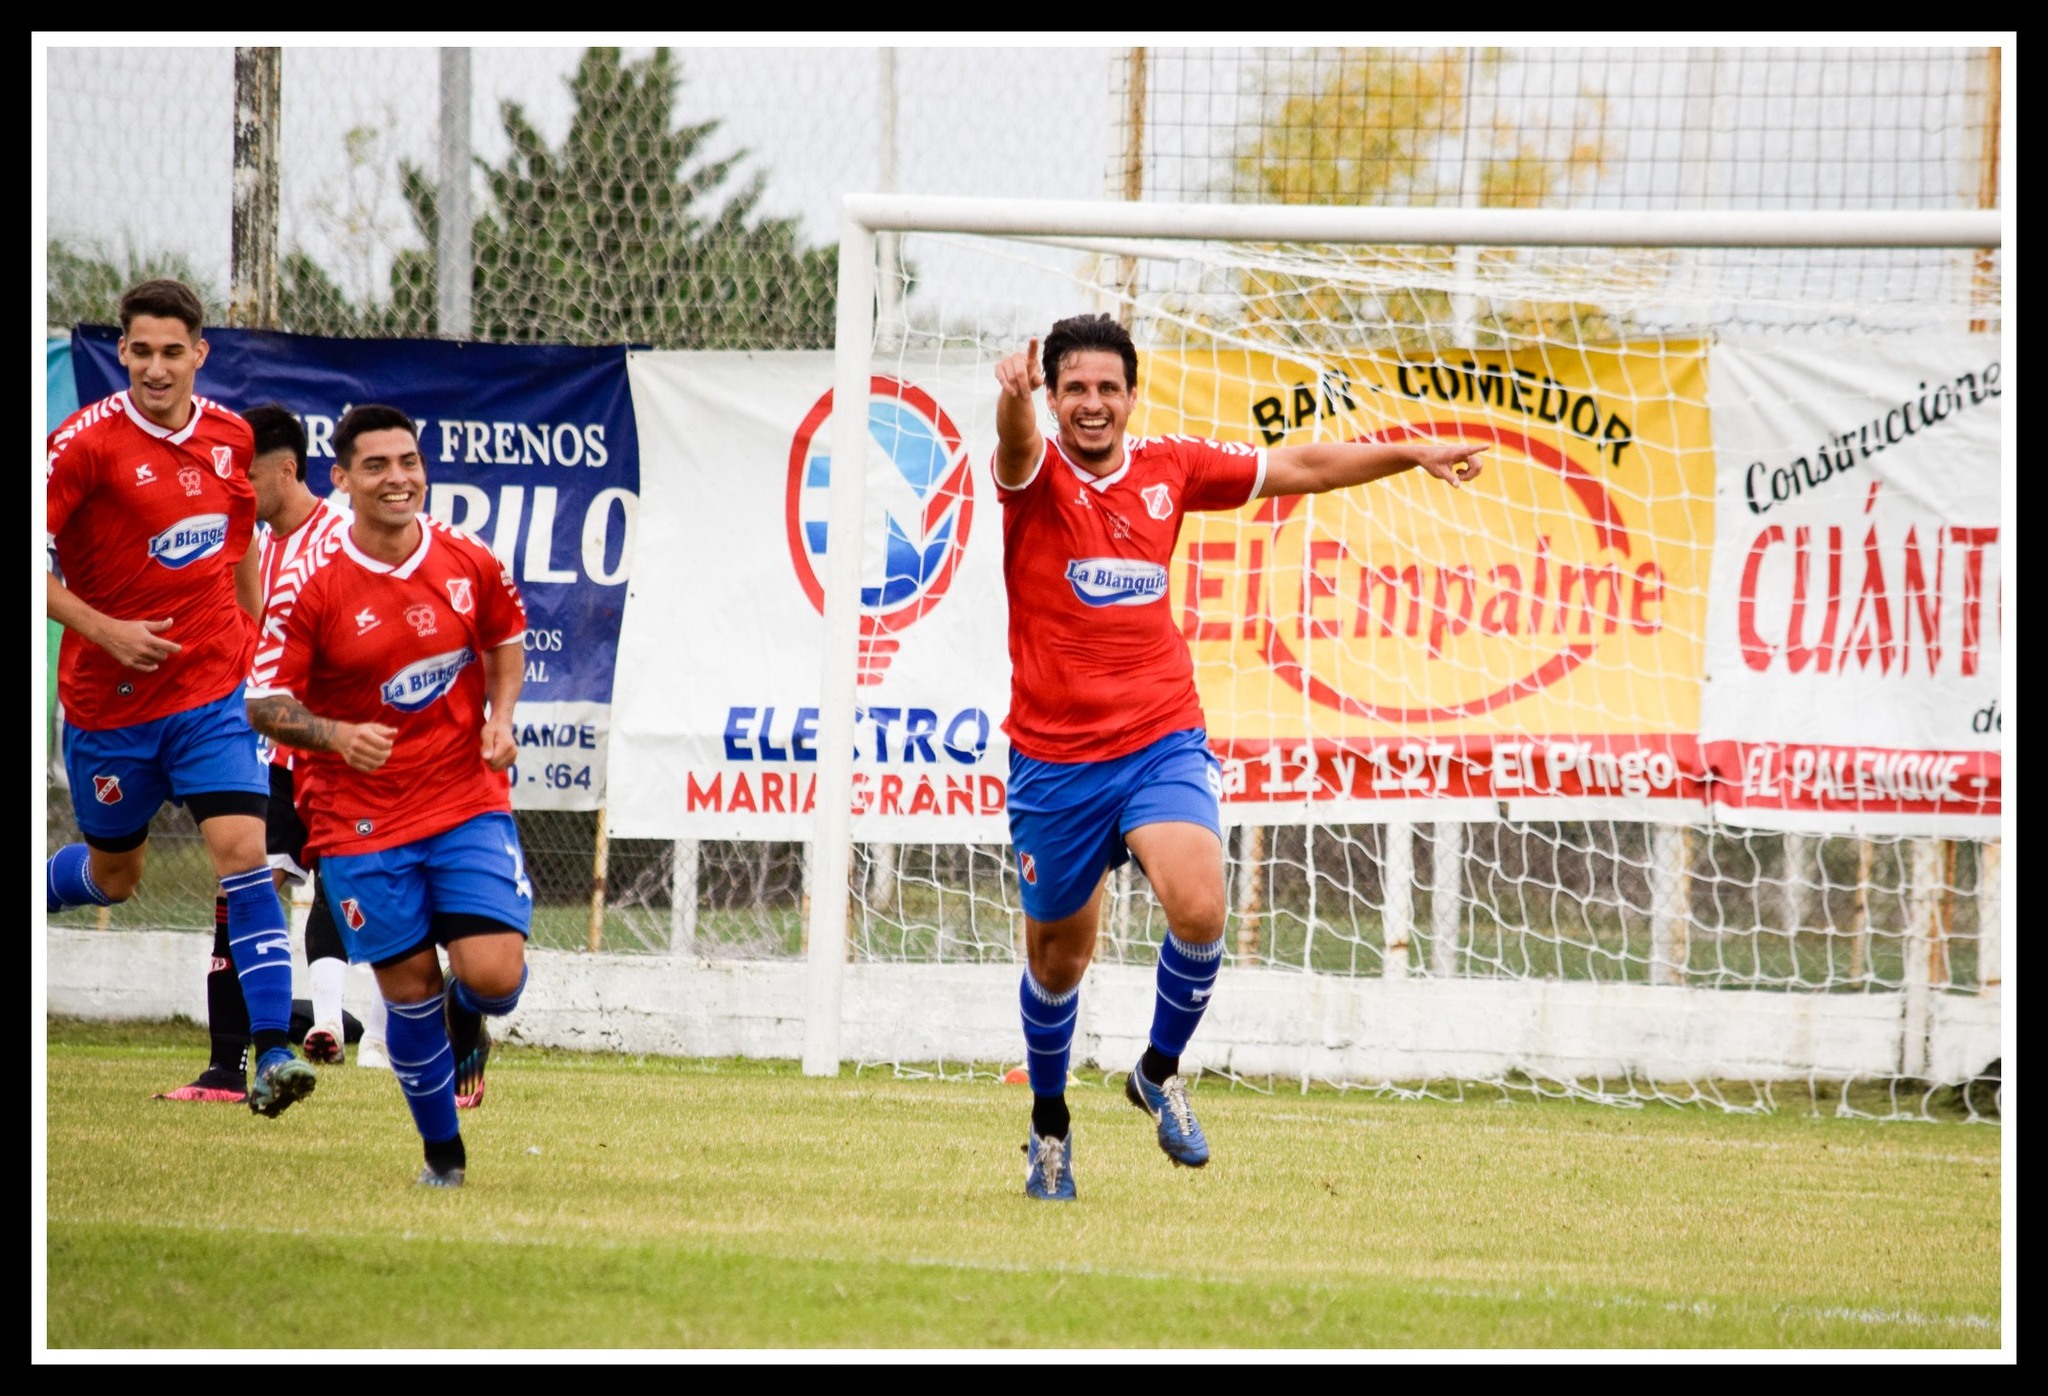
421	619
190	540
459	596
193	479
1158	501
144	475
1027	868
352	912
107	789
223	461
423	682
1116	581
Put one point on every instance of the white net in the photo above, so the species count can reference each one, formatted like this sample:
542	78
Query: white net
1491	818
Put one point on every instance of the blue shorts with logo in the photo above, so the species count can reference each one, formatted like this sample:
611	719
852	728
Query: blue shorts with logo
1068	819
386	903
120	777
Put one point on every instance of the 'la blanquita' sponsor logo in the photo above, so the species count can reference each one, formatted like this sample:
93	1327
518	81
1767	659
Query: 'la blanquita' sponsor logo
189	540
424	681
1116	581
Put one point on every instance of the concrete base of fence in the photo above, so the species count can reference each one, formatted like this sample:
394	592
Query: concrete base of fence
1265	1022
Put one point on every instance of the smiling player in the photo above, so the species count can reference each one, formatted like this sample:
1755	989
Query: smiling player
1109	759
153	579
406	636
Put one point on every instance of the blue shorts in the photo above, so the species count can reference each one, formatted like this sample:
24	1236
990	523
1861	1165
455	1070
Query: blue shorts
387	903
1068	819
120	777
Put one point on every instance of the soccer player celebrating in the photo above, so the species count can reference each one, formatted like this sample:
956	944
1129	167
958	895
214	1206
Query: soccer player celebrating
407	635
295	522
152	577
1108	757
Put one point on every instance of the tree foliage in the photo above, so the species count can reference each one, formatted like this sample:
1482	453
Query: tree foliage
623	234
1381	126
86	284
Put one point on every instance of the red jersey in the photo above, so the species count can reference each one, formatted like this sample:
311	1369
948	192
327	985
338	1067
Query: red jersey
404	645
147	523
275	556
1098	668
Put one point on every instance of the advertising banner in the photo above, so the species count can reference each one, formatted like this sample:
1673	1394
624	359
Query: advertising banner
1403	650
1407	650
1852	661
719	675
533	449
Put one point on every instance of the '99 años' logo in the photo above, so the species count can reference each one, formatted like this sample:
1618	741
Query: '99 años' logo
920	504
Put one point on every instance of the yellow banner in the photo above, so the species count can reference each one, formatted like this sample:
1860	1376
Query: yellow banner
1563	592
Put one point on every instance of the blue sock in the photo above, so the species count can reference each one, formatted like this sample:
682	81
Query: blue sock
470	1001
1048	1033
1187	976
260	943
68	880
416	1041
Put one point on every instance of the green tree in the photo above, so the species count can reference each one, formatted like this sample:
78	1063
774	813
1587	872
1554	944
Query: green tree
1380	126
86	284
623	234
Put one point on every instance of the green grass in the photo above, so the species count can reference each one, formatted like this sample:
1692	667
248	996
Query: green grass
620	1202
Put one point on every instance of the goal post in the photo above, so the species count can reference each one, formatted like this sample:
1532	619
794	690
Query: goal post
1307	269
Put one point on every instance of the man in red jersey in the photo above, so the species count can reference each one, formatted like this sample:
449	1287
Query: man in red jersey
407	637
1109	759
150	515
293	522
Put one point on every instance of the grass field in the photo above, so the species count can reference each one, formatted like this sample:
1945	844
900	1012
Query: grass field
617	1202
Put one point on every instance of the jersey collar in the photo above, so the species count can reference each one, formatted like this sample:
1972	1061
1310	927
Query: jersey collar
1098	483
176	438
402	570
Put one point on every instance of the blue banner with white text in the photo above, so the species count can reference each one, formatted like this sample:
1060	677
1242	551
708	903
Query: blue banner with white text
530	448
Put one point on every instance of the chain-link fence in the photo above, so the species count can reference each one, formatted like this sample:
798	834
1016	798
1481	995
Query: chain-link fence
689	199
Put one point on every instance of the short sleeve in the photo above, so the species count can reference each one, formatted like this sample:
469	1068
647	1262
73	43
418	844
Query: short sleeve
1221	475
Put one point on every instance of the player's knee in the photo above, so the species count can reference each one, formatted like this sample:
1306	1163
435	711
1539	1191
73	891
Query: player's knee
117	881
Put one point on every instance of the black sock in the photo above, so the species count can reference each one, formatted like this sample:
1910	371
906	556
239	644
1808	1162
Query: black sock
1157	1066
464	1025
1049	1117
447	1154
227	1016
269	1038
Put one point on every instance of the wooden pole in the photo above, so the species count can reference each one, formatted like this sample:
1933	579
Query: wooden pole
600	864
1397	896
1990	926
252	233
1251	865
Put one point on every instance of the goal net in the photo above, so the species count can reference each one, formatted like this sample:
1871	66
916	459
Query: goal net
1661	763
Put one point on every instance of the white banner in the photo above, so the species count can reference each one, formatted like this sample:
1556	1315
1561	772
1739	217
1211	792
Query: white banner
1853	626
716	699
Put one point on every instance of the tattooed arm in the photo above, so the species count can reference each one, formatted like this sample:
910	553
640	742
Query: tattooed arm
285	720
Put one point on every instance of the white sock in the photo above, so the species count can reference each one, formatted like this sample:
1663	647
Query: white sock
327	977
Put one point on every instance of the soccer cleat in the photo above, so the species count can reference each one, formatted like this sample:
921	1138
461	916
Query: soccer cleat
323	1045
444	1178
1049	1169
469	1070
1180	1135
281	1078
216	1085
370	1053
